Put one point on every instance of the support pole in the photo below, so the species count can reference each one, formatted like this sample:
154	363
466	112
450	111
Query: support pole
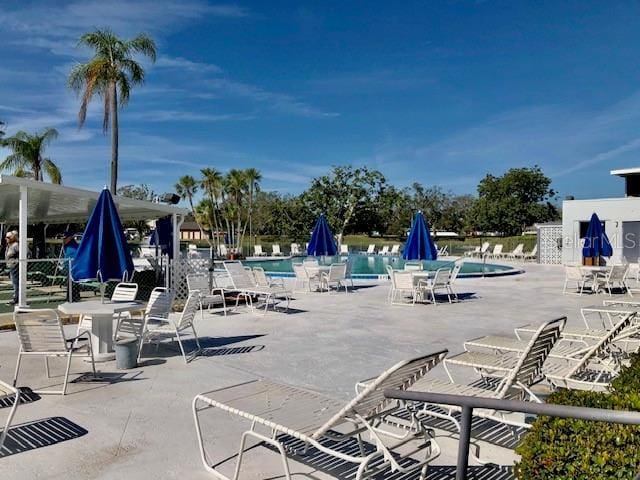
463	443
22	246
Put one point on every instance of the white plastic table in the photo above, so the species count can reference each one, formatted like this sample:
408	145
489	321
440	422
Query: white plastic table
101	322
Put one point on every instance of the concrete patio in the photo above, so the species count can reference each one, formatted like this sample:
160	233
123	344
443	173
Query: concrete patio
138	425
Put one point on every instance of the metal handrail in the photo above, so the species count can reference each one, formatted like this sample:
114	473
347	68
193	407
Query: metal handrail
469	403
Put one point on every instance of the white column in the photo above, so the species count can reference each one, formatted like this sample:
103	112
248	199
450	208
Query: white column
22	246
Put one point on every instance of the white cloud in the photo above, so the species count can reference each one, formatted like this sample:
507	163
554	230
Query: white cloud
181	63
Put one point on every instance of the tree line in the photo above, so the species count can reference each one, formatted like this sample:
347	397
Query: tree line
359	200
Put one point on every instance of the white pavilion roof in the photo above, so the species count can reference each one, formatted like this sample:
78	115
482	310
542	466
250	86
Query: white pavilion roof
49	203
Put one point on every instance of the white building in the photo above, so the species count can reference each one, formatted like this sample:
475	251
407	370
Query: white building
620	216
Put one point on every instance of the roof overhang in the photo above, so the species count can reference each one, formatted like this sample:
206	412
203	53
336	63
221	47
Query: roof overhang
49	203
624	172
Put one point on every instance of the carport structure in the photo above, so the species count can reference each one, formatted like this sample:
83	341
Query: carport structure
24	202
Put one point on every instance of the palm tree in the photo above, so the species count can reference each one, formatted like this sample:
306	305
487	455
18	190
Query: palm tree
187	187
236	186
2	124
28	158
112	70
253	177
211	183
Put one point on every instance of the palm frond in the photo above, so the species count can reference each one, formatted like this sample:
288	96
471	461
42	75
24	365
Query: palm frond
125	88
52	170
145	45
12	162
135	71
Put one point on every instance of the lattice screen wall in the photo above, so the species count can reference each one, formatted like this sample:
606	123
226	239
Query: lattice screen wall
550	244
182	267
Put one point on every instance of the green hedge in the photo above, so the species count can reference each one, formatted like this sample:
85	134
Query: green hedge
559	449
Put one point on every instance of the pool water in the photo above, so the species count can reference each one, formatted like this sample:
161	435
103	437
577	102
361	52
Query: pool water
375	265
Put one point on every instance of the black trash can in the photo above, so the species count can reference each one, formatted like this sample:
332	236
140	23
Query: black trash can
127	353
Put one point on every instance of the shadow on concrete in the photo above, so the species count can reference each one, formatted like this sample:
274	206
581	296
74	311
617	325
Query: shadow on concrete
26	396
40	433
343	470
211	347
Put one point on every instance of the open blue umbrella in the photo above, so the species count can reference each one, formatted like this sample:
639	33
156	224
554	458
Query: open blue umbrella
103	253
322	242
419	245
596	242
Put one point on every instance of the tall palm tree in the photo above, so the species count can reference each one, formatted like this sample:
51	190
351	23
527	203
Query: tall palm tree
253	177
28	158
211	183
111	72
187	187
236	186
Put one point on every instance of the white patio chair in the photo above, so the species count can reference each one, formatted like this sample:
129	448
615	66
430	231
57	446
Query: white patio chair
384	251
275	250
257	251
157	328
395	249
125	292
192	251
209	296
295	249
302	277
497	251
8	393
132	326
344	249
402	283
413	266
311	418
441	281
222	251
455	271
444	251
484	249
337	276
40	333
245	286
575	274
516	252
617	275
371	249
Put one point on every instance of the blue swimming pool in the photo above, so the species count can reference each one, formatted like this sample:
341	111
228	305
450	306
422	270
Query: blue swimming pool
373	266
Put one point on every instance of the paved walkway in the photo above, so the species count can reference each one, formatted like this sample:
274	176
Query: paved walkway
139	426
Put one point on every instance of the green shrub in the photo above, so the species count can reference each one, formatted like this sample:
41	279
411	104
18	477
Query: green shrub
562	449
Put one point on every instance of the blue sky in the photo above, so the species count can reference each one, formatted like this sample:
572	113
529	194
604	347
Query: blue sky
439	92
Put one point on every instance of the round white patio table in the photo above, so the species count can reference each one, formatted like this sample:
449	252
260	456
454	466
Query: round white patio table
101	322
316	270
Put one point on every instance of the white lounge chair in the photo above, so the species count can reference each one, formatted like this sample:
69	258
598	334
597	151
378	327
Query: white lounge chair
444	251
337	276
594	368
385	250
472	253
344	249
8	394
222	251
173	326
312	418
40	333
532	255
263	281
295	249
497	251
516	252
395	249
257	251
371	249
244	285
514	379
275	250
210	296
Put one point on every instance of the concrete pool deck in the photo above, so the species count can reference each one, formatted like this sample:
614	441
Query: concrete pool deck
139	425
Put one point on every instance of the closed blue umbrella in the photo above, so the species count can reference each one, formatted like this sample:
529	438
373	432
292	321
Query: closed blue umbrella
596	242
322	242
162	236
419	245
103	253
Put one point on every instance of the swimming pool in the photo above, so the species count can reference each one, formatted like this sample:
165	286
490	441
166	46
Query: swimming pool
374	266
